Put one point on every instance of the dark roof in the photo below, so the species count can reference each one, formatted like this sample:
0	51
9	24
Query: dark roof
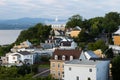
67	54
66	43
24	52
102	59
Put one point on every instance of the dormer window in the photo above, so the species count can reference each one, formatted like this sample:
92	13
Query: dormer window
71	58
56	57
61	44
63	57
46	41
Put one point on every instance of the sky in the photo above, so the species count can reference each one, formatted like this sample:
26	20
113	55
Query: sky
62	9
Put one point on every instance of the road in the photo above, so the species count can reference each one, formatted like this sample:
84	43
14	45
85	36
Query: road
42	72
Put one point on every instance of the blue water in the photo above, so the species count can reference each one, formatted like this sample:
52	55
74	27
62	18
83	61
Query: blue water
8	36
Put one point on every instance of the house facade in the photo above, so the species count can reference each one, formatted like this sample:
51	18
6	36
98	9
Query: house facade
86	70
18	58
67	44
74	32
116	37
58	60
25	44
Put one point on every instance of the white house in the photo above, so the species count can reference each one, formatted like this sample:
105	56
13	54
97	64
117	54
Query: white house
67	44
23	57
86	70
115	48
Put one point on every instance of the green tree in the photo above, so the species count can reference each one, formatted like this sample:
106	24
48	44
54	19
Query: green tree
83	36
98	21
109	53
99	44
111	22
75	20
116	68
94	29
35	34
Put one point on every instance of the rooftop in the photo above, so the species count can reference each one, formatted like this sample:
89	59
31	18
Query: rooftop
117	32
67	54
82	62
24	52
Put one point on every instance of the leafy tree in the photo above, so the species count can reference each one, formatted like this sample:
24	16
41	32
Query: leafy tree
8	72
23	70
75	20
45	58
99	44
85	24
94	29
116	68
83	36
35	34
111	22
98	21
5	49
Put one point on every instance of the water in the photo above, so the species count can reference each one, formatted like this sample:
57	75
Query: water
8	36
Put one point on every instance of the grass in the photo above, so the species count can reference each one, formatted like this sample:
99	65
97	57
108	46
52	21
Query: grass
44	65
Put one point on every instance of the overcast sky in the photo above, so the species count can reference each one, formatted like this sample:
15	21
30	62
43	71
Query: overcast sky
11	9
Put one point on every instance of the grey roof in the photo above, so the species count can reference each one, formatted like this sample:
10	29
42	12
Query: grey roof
92	54
117	32
82	62
24	52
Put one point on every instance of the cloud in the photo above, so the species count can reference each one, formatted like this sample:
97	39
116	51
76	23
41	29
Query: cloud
2	3
53	8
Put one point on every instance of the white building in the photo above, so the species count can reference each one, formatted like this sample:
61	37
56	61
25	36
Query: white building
86	70
57	24
23	57
115	48
67	43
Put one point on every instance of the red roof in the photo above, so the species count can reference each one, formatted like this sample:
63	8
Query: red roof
67	54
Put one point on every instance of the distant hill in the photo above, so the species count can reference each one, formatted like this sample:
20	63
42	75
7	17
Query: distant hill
22	23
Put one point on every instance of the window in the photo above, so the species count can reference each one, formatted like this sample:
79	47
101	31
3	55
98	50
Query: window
53	64
90	70
7	58
63	66
58	65
63	57
58	73
56	57
71	57
63	74
69	68
77	78
13	58
61	44
53	72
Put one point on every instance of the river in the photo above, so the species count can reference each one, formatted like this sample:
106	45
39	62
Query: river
8	36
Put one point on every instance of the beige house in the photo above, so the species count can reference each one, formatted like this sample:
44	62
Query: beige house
25	44
116	37
99	52
74	32
58	60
